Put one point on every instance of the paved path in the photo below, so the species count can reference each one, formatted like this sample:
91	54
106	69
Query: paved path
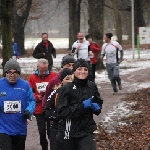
130	83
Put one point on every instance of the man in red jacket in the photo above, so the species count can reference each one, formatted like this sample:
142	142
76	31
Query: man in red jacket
95	50
38	82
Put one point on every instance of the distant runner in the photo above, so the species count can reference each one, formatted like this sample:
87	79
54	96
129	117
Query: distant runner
110	49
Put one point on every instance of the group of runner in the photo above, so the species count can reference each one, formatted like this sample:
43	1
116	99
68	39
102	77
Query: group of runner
65	101
86	52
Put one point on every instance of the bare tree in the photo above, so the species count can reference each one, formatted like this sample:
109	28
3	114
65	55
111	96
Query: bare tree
6	12
96	23
74	20
139	16
117	21
20	16
122	8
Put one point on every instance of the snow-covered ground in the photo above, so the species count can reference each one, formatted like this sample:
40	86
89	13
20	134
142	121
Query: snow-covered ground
57	42
122	109
29	64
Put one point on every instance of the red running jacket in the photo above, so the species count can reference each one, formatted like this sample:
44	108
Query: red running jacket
38	85
95	50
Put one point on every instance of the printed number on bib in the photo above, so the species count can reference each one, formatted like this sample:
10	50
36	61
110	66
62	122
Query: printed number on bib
12	106
41	87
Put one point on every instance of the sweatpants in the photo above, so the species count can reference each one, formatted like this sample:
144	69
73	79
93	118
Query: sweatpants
84	143
113	75
9	142
41	123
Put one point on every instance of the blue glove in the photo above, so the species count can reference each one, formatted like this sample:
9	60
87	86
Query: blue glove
95	107
87	103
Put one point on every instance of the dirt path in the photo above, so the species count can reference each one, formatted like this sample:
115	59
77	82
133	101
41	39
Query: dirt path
130	82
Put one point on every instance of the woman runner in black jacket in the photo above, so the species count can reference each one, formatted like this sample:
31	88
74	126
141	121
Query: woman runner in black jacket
49	109
77	102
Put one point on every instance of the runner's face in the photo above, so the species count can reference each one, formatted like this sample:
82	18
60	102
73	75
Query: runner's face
12	75
67	79
44	38
81	73
89	39
106	39
42	68
80	37
69	66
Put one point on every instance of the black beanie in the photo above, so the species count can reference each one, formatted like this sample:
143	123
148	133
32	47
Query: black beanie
12	64
79	63
64	73
67	59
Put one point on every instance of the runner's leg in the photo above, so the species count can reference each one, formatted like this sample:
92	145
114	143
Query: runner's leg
5	142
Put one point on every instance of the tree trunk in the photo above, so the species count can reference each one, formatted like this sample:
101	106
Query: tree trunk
139	16
19	36
96	24
19	22
6	13
74	20
0	24
118	25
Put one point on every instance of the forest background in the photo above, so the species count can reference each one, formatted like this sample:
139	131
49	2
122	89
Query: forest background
27	19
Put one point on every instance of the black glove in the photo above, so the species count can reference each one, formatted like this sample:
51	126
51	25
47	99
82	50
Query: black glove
26	114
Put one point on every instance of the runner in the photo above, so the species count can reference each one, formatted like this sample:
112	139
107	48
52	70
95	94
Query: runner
45	49
81	47
17	104
95	50
15	51
50	110
110	49
38	82
77	102
67	62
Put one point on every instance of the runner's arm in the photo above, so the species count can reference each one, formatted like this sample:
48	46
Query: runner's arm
121	56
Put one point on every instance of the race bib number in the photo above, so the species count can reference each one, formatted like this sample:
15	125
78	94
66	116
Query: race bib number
111	54
12	106
41	87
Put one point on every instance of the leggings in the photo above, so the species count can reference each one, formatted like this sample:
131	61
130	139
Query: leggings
9	142
85	143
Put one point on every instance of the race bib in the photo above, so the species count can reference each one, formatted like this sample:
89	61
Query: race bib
12	106
41	87
111	54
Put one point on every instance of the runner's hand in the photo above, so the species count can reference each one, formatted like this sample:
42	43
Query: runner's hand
26	114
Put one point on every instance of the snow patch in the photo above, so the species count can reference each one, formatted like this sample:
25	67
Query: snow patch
113	118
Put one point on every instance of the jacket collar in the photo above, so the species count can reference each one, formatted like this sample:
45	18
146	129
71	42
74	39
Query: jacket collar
37	72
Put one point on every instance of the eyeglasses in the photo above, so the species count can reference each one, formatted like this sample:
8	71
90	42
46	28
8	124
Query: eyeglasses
12	73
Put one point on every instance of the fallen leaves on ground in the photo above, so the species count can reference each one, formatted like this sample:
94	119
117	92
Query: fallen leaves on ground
135	135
